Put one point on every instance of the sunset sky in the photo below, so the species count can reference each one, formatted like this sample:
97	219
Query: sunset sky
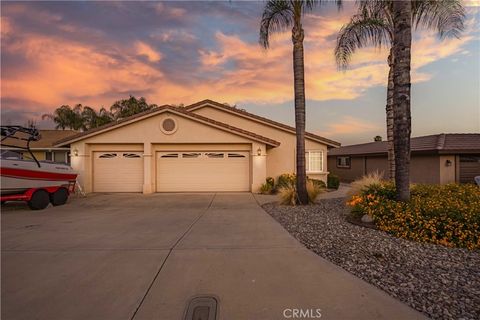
55	53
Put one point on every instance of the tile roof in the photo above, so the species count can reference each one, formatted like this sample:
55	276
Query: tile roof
180	110
438	143
261	119
49	137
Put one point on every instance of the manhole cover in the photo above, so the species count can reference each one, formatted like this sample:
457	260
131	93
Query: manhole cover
202	308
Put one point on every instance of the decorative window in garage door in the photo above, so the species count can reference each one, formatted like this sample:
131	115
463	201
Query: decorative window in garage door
107	155
191	155
236	155
170	155
131	155
214	155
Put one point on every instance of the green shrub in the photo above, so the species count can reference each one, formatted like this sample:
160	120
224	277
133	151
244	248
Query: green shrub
288	193
357	186
270	181
268	186
314	189
442	214
286	180
333	181
319	183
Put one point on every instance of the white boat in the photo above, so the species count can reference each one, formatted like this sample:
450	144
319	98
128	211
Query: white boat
37	182
18	175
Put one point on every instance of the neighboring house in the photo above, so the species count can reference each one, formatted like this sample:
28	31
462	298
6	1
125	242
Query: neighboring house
44	148
441	158
207	146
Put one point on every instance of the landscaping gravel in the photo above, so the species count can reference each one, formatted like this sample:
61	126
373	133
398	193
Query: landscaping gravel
441	282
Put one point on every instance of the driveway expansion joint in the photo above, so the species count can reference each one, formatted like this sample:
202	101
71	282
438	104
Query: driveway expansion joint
168	255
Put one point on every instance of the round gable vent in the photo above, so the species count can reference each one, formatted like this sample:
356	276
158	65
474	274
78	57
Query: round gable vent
168	126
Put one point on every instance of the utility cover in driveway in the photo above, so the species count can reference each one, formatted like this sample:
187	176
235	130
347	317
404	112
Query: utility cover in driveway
181	171
202	308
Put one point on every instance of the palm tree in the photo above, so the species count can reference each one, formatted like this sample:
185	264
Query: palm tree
65	117
278	16
373	25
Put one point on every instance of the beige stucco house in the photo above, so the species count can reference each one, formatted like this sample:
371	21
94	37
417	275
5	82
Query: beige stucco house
206	146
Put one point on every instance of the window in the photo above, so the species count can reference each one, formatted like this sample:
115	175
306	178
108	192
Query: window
59	156
214	155
108	155
191	155
170	155
49	155
131	155
235	155
314	161
343	162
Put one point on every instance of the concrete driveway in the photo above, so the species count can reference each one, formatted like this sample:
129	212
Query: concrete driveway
128	256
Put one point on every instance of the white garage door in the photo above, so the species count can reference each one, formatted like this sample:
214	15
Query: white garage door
117	171
203	171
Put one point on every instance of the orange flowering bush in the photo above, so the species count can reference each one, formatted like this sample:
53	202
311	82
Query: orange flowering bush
442	214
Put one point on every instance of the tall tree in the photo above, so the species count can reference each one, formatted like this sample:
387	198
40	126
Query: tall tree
402	122
373	25
66	117
279	16
129	107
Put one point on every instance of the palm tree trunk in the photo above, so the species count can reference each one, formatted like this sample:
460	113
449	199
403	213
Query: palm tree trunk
299	87
401	98
389	111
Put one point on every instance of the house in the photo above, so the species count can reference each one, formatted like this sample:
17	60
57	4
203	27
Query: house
206	146
44	148
441	158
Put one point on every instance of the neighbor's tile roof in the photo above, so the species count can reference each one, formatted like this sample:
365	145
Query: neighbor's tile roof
438	143
173	109
261	119
48	139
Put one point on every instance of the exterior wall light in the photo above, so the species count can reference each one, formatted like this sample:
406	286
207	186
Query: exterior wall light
259	151
75	152
448	163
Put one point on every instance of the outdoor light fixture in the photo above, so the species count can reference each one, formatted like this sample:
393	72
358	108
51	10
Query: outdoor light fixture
448	163
75	153
259	151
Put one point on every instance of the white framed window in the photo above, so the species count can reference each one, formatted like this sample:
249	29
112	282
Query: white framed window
343	162
314	161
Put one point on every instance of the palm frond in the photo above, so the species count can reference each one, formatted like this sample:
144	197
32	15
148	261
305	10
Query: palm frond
366	28
446	16
277	16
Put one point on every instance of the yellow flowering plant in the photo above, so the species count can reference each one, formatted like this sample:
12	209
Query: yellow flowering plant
448	215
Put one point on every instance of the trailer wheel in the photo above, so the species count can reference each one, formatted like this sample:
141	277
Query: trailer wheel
59	197
40	200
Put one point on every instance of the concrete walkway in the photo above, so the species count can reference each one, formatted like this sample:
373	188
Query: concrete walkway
143	257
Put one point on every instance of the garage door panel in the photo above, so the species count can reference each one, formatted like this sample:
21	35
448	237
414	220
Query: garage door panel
118	172
202	171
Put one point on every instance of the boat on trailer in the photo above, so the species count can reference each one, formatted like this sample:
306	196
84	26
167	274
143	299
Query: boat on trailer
36	182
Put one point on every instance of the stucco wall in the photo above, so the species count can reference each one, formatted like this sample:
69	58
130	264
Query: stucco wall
379	164
356	170
145	135
423	168
280	159
447	169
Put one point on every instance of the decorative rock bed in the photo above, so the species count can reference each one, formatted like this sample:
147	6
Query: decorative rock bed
441	282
